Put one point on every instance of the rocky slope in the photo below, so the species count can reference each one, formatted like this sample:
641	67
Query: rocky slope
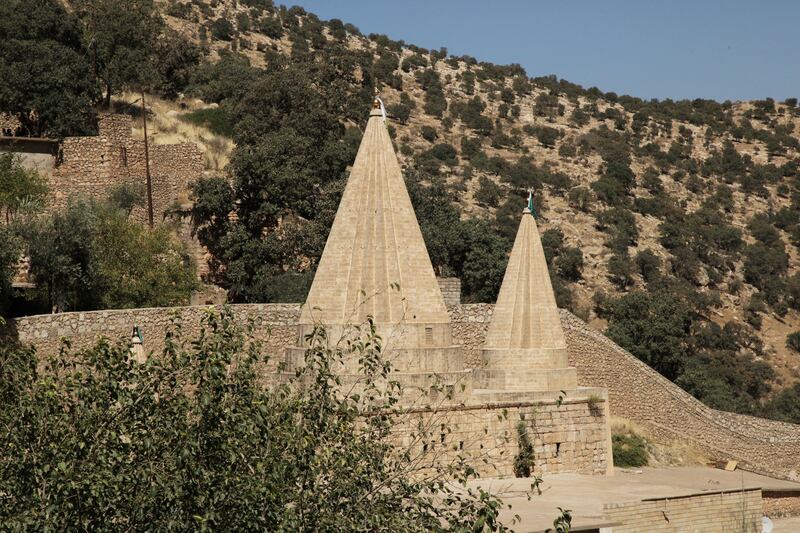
677	154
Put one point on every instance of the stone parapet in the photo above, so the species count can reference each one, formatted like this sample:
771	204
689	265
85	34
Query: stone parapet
635	390
714	512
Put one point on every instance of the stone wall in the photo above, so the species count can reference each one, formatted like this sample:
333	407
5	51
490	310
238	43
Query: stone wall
567	436
9	124
635	390
714	512
274	325
93	166
778	504
669	414
451	290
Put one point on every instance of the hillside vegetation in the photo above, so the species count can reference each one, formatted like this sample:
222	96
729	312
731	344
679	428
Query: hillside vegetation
673	226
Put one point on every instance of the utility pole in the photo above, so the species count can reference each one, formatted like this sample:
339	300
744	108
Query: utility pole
147	165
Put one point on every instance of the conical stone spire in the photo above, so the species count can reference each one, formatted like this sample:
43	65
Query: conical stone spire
525	347
375	262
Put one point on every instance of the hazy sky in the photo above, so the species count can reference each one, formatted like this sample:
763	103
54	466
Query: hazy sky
733	49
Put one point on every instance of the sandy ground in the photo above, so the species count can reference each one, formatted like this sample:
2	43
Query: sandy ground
586	495
786	525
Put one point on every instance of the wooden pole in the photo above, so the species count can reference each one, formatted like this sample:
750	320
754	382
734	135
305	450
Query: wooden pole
147	165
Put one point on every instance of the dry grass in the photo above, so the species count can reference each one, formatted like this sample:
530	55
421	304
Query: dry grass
165	127
675	453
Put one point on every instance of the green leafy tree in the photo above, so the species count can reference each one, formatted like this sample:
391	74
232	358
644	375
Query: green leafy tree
291	153
485	256
569	263
10	250
123	37
140	267
177	57
63	258
47	80
488	192
785	405
653	327
20	187
90	256
192	439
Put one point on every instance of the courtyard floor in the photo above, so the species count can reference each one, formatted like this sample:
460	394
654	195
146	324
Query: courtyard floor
586	495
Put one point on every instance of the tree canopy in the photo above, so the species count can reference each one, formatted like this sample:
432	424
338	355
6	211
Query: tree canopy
192	439
122	36
47	81
91	256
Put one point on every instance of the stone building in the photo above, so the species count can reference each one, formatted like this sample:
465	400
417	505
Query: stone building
375	264
93	166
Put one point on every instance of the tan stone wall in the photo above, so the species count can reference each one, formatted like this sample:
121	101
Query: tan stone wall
274	325
721	512
779	503
451	290
635	391
570	437
92	166
669	414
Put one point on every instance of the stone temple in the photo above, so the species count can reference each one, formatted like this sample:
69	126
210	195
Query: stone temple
375	264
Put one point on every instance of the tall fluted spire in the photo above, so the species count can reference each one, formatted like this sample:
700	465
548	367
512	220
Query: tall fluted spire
375	262
525	346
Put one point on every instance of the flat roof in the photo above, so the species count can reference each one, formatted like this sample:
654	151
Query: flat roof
586	495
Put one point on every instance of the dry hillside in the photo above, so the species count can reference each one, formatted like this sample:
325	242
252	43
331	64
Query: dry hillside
677	154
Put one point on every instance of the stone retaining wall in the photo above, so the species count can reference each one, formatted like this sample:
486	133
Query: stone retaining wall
668	413
567	437
778	504
718	512
93	166
636	392
274	325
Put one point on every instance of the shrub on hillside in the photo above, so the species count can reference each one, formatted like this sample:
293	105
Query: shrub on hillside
793	341
569	263
429	133
629	450
271	27
785	405
445	153
547	136
222	29
488	192
412	62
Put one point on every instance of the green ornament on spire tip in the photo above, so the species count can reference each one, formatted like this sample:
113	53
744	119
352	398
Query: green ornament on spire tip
530	203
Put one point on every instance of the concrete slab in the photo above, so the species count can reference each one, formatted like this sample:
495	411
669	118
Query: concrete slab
586	495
